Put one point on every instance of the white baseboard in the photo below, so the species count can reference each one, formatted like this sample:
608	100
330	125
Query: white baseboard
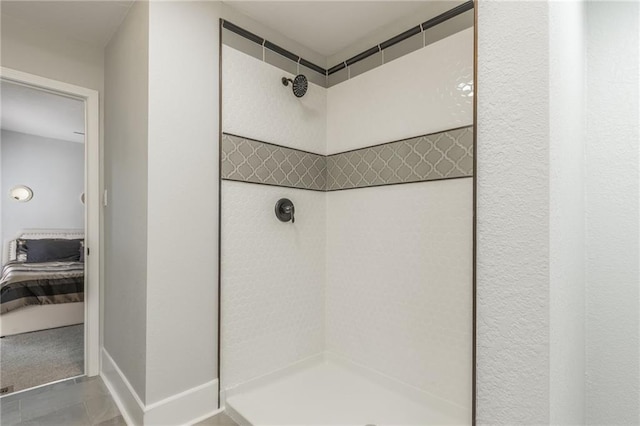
184	408
125	397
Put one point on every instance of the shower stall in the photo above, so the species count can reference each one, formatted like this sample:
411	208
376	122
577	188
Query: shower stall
346	234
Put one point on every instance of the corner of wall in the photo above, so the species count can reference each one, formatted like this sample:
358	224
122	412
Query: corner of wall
125	177
182	204
129	403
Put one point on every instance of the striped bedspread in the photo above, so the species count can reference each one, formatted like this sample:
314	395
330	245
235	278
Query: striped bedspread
24	284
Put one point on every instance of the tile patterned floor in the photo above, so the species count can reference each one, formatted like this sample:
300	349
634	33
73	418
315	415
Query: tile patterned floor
75	402
82	401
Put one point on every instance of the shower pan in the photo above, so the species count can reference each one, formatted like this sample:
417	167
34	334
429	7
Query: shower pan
346	234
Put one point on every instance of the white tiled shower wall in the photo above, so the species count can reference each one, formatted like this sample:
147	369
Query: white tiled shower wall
399	263
273	276
394	262
256	105
398	292
426	91
273	273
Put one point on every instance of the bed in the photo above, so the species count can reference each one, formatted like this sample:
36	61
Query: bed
41	293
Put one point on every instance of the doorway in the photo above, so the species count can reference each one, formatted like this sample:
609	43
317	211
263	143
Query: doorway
50	232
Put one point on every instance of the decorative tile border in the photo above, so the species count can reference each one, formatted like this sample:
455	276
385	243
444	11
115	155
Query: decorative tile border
428	32
248	160
444	155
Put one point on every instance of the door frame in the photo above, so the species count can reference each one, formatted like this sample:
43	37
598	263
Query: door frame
92	203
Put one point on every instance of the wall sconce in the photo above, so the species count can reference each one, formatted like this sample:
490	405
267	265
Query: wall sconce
21	193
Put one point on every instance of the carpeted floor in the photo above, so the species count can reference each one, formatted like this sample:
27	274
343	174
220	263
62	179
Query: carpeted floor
39	357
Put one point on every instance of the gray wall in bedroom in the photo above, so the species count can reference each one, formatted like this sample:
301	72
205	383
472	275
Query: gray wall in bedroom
54	170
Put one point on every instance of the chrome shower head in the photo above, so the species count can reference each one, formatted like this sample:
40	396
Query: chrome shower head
299	84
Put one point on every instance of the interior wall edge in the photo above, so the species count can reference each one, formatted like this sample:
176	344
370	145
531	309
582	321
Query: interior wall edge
124	395
179	138
126	179
612	142
567	245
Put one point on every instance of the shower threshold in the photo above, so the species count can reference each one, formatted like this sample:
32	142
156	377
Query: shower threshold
329	391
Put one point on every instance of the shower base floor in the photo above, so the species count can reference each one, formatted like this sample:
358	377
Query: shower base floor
329	392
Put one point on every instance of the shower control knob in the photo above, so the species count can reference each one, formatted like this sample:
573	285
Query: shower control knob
285	211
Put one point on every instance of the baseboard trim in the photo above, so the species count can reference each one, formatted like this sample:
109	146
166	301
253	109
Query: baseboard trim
184	408
206	416
129	403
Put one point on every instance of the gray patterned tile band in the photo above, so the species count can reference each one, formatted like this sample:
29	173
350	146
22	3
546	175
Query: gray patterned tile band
437	156
443	155
249	160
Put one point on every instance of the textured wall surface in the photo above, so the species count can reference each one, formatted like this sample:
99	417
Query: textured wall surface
567	221
273	276
125	286
513	214
613	213
395	101
399	283
54	170
257	105
273	273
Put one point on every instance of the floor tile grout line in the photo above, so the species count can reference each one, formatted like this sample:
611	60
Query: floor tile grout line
86	410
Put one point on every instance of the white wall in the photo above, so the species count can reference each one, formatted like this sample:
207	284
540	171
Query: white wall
395	101
273	277
513	213
613	213
256	105
54	170
399	285
30	48
162	182
567	220
125	287
182	200
273	273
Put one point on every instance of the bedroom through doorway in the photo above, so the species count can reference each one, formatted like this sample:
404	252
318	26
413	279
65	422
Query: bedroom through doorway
42	230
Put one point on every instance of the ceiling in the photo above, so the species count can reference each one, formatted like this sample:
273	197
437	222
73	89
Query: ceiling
93	22
40	113
331	27
327	27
